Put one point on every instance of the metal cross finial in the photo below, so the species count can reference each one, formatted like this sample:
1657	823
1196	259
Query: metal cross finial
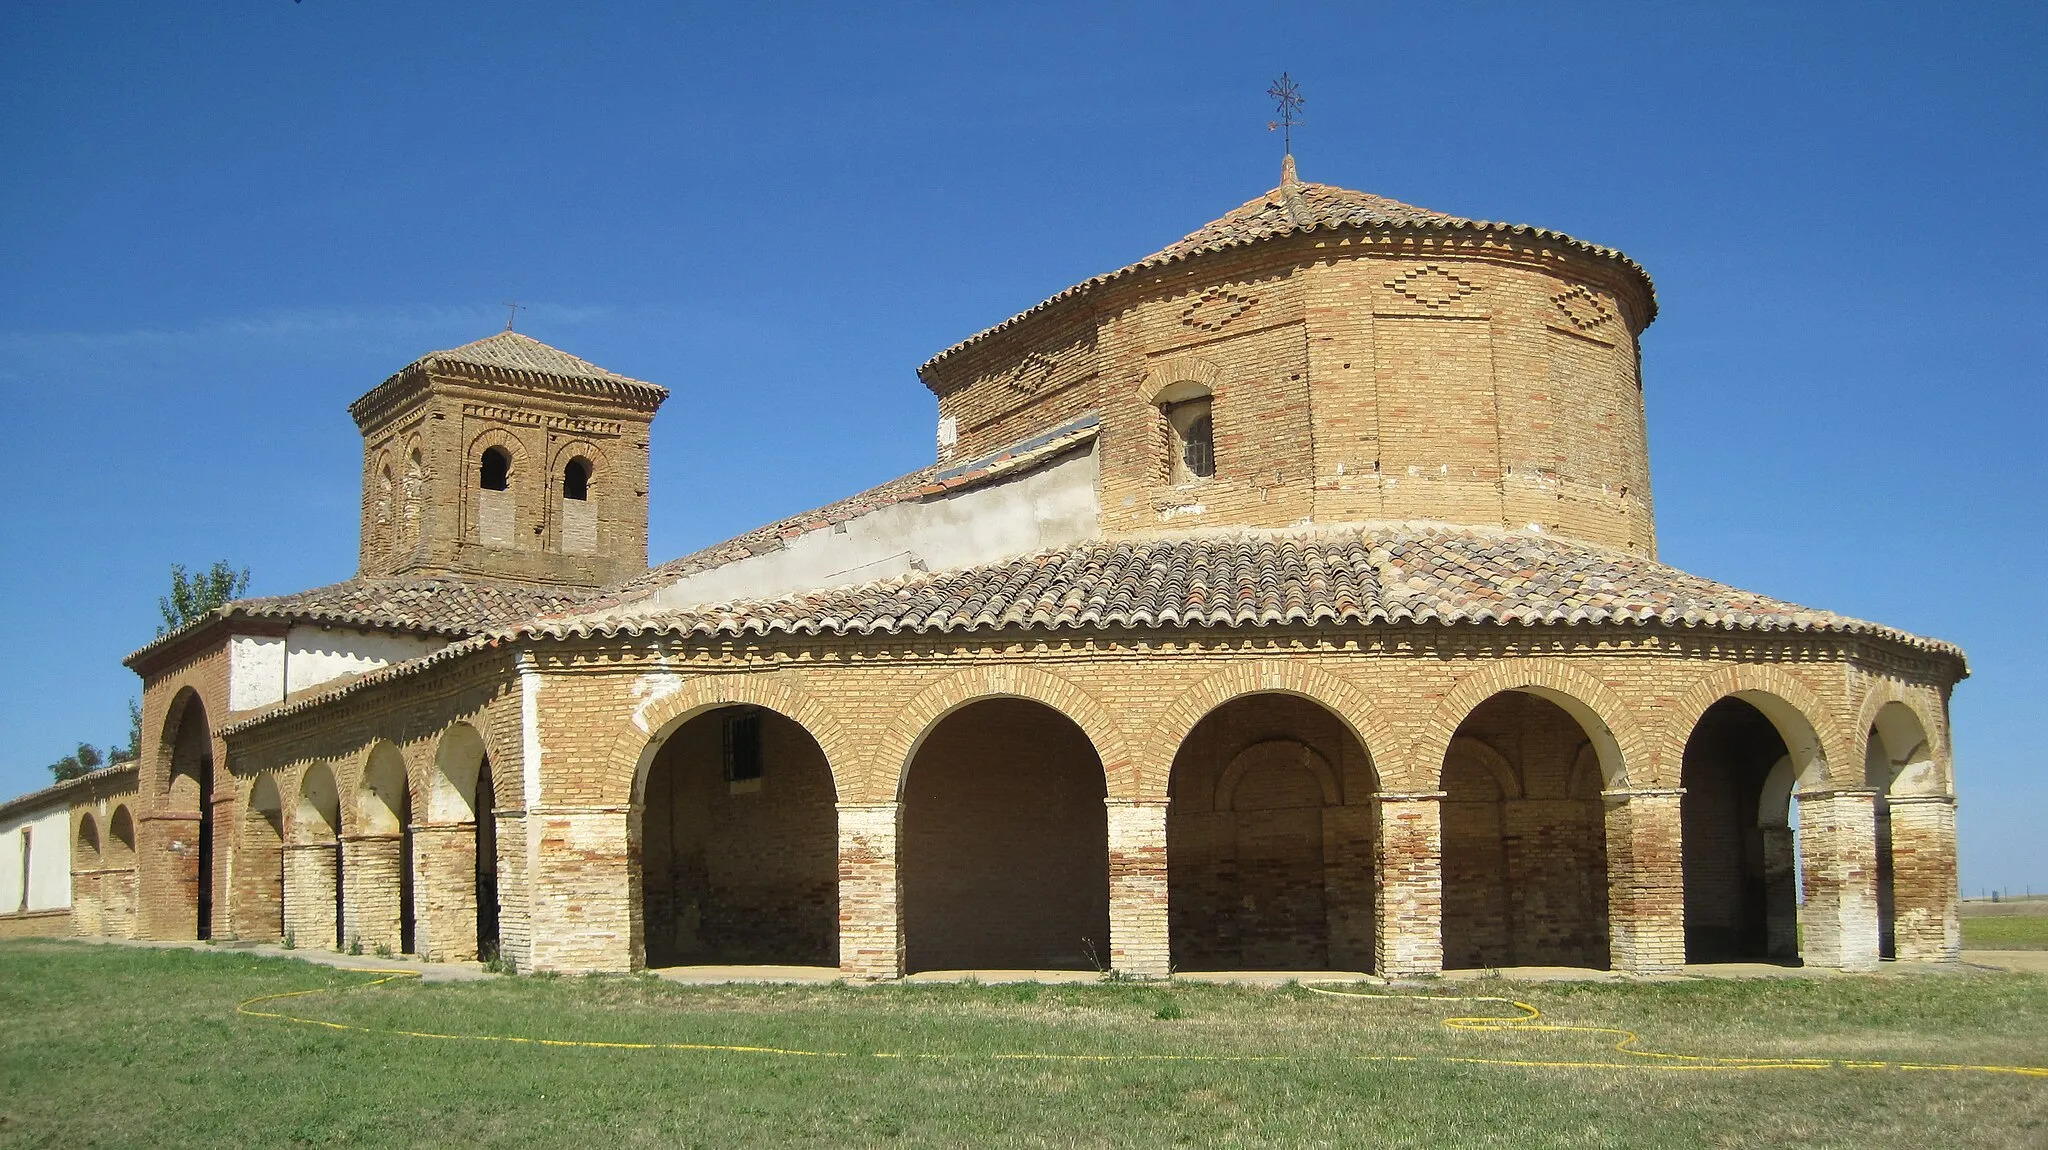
513	308
1287	99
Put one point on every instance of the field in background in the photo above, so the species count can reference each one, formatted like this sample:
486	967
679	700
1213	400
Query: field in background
113	1045
2006	932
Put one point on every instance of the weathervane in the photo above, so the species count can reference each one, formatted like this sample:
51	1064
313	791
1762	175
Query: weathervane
1287	100
512	310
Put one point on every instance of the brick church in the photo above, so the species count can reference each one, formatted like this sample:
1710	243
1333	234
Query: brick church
1286	600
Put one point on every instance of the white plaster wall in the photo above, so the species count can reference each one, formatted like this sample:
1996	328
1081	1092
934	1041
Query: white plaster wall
315	655
49	864
1051	506
255	671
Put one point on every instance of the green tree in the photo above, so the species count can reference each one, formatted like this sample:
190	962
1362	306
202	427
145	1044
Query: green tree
133	750
84	761
194	595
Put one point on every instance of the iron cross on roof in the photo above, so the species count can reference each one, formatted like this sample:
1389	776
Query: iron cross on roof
512	310
1287	100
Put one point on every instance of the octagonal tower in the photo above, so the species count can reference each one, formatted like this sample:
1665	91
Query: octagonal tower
1326	355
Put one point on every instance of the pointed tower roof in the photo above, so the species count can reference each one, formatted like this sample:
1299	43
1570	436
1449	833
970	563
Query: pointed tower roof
507	357
1295	207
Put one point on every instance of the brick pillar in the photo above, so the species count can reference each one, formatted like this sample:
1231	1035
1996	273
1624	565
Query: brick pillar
1645	880
87	916
580	894
1926	908
871	891
1838	859
444	891
117	902
1137	889
309	874
369	896
167	862
256	913
1410	912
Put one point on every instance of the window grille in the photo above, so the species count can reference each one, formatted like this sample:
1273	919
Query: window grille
742	746
1199	451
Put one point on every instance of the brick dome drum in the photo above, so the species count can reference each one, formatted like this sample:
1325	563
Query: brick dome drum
1368	360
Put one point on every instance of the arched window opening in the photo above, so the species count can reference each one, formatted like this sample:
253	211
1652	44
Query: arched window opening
1190	431
576	479
495	473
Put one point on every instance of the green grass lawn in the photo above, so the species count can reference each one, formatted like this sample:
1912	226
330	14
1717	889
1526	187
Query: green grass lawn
118	1046
2006	932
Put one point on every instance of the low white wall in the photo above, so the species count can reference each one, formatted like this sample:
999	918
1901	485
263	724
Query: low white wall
1050	506
262	669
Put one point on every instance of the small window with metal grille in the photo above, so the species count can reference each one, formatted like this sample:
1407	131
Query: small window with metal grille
743	746
1194	439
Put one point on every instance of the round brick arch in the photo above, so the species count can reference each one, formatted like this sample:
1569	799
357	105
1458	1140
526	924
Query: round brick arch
1617	736
1811	729
889	765
642	735
1261	677
1888	692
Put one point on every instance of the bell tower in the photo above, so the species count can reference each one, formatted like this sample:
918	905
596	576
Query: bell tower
507	459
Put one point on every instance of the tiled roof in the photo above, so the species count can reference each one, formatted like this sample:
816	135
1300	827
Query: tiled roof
431	604
1296	207
34	799
512	351
1375	574
1386	574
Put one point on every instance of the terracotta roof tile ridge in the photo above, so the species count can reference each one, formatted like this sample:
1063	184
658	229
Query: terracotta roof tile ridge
65	786
326	604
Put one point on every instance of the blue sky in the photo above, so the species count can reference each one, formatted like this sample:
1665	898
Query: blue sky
221	223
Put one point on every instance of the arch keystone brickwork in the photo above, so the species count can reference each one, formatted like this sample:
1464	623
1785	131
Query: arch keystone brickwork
889	764
1304	680
641	735
1617	736
1775	688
